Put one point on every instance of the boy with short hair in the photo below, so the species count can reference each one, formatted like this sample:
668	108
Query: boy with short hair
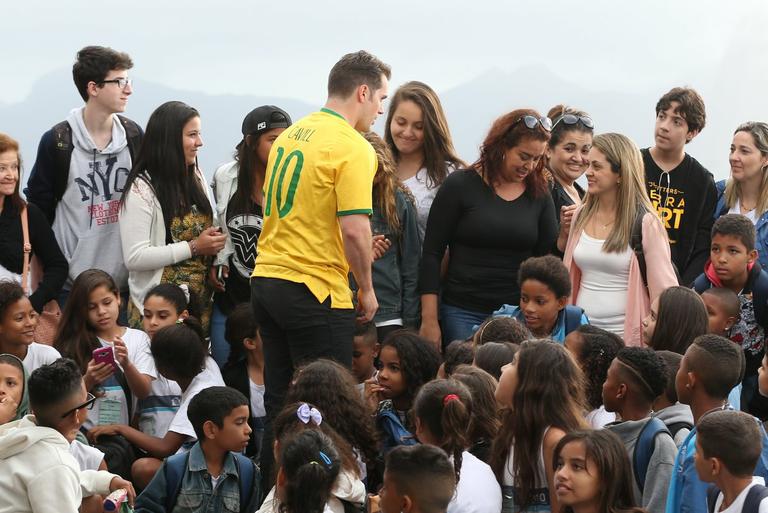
710	368
365	350
728	447
677	417
680	188
733	265
723	307
544	289
82	164
636	377
39	472
214	467
417	479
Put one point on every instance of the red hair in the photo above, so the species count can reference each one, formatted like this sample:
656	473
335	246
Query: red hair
506	133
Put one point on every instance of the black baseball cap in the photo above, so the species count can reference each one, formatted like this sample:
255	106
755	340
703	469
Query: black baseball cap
265	118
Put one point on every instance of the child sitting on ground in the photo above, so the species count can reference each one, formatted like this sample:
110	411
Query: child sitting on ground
213	475
544	289
636	377
728	446
501	329
244	370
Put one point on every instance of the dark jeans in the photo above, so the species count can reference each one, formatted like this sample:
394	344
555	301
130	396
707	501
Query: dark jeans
295	329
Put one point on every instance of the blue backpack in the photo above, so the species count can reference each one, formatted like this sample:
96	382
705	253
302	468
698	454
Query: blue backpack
248	473
644	447
755	496
392	430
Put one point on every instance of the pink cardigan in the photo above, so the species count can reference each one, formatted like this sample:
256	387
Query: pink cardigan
660	273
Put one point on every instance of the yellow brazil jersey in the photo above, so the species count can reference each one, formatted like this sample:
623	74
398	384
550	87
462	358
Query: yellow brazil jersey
319	168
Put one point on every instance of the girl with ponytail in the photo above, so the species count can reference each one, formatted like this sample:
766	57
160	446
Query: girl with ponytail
443	411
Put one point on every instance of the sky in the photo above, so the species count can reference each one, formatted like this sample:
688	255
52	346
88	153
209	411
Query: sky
286	48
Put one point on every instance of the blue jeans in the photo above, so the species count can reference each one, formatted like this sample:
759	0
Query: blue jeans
457	323
219	345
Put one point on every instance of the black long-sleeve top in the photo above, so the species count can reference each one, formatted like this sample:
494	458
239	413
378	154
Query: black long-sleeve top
487	237
44	246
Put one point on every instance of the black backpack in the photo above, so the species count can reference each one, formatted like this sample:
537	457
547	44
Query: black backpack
62	142
755	496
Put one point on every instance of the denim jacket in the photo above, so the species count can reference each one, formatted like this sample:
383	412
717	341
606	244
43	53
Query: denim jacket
196	494
761	227
395	274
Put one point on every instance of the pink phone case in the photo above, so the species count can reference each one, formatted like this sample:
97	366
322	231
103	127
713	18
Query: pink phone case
104	355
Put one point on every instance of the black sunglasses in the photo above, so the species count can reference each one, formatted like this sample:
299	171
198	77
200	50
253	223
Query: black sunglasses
87	405
532	121
572	119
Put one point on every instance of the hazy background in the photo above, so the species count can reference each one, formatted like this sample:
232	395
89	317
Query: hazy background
612	59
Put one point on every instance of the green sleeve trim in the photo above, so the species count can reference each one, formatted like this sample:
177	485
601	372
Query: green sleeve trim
332	113
366	211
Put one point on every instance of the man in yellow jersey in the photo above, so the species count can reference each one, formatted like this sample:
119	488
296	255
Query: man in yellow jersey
317	203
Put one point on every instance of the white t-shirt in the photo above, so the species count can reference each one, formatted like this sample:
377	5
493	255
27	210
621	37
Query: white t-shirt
39	355
751	215
207	378
738	503
257	400
424	192
111	407
88	458
598	418
604	283
156	412
478	491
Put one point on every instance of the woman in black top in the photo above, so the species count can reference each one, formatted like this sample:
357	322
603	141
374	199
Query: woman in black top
41	237
567	154
491	217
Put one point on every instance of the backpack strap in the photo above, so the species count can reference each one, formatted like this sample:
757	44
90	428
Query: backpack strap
644	447
636	243
712	493
246	472
25	284
133	134
675	427
755	496
62	154
573	315
701	283
174	469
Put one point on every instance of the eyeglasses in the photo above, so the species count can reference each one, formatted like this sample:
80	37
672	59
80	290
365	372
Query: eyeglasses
122	83
87	405
532	121
572	119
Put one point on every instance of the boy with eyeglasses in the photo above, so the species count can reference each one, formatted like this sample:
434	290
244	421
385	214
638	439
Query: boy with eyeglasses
40	473
82	164
680	188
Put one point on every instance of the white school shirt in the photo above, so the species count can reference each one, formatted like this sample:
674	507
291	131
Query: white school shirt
206	379
112	406
477	491
257	400
39	355
738	503
87	457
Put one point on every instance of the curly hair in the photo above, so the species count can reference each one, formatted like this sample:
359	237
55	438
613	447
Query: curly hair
485	417
333	389
649	370
457	353
419	360
501	329
597	351
548	270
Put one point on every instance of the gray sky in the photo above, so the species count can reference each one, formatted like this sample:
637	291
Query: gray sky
286	48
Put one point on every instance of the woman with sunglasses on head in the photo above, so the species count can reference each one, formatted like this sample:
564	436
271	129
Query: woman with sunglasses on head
607	280
417	133
568	157
491	217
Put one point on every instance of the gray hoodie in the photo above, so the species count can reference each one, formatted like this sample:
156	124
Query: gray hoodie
654	496
40	474
85	225
675	414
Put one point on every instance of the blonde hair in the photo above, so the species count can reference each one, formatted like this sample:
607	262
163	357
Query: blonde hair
759	133
631	198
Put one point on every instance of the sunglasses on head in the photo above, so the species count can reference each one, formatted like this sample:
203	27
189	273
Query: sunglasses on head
532	121
572	119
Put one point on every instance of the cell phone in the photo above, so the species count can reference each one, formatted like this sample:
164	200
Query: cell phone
104	355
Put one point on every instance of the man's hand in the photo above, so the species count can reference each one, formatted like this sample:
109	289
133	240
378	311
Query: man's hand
367	304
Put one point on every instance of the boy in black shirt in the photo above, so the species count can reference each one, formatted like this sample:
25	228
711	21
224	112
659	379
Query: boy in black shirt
680	188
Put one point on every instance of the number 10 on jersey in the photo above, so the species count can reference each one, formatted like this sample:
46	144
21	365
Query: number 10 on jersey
284	205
